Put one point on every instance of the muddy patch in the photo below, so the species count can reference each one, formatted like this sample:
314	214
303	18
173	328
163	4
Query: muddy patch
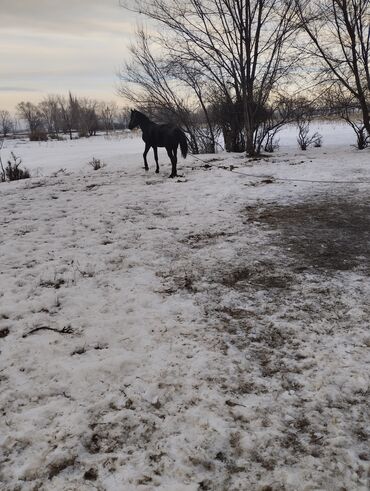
261	277
200	240
331	234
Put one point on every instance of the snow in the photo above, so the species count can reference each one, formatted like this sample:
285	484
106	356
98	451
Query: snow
208	332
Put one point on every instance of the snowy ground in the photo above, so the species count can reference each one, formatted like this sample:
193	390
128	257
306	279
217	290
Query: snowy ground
207	333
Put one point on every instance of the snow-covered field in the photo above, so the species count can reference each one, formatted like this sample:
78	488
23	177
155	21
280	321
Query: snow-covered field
204	333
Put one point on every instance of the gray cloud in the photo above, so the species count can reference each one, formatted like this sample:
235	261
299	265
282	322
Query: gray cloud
69	16
49	46
16	89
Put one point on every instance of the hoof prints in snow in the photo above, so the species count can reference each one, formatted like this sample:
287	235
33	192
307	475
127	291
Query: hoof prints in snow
213	346
287	324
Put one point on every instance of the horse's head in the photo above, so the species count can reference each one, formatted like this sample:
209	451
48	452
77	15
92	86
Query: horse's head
134	120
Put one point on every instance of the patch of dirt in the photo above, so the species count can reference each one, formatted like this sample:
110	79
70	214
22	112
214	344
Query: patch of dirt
4	332
199	240
261	277
333	234
132	430
60	464
91	474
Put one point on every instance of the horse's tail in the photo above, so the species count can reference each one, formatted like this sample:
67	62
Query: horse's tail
183	143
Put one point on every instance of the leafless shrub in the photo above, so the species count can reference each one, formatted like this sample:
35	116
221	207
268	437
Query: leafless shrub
56	137
304	113
97	164
347	108
12	171
274	116
318	141
272	143
362	137
62	171
304	139
39	136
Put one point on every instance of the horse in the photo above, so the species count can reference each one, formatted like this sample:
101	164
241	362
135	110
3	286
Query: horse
159	135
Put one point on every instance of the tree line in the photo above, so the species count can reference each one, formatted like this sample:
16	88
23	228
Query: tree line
244	68
56	115
240	69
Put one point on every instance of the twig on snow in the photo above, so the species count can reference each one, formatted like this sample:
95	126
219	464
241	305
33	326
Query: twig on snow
233	404
66	330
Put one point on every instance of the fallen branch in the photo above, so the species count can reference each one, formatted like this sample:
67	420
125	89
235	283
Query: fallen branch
65	330
233	404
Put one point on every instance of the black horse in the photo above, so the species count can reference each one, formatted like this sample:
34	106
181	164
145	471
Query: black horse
160	135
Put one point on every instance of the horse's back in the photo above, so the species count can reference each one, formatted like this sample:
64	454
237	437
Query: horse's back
162	135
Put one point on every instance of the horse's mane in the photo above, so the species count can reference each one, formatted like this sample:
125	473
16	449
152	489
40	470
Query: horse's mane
142	115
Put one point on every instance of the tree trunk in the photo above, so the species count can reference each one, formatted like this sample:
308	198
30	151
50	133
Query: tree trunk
250	148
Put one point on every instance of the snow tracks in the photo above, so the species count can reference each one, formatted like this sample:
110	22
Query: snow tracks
208	334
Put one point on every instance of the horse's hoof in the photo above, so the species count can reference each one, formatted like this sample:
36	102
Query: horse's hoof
146	169
171	176
157	171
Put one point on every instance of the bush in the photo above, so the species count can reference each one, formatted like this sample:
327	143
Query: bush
56	137
38	136
363	139
97	164
318	142
272	143
12	171
304	139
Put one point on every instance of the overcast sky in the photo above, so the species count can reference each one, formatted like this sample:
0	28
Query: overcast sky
53	46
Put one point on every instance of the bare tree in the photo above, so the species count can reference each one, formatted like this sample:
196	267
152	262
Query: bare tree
156	91
107	115
70	114
86	114
204	127
228	115
50	109
31	114
241	46
123	117
66	115
339	34
6	123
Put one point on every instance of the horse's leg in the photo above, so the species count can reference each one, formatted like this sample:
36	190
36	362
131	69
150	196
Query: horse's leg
170	154
174	165
155	150
147	147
